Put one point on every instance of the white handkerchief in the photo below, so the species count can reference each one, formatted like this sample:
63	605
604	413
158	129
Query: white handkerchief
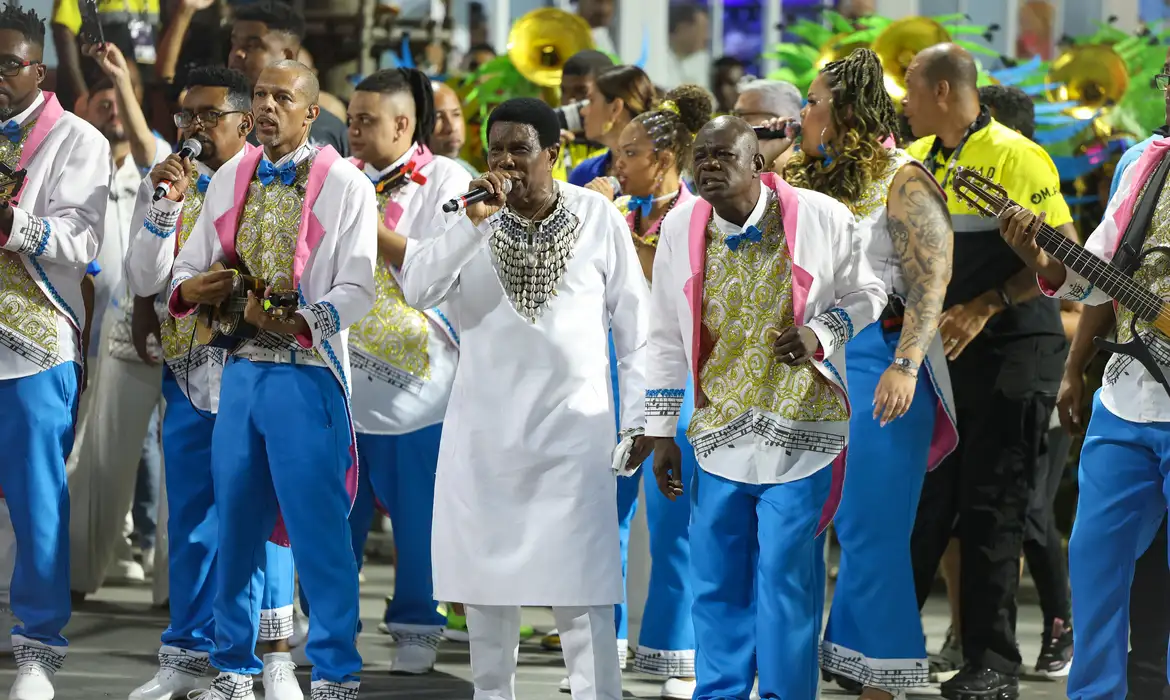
621	455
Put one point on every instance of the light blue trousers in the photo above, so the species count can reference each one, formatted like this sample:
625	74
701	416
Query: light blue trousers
193	533
758	572
282	445
39	412
1123	498
875	608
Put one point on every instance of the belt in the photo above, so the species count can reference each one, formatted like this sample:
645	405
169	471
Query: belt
289	357
892	315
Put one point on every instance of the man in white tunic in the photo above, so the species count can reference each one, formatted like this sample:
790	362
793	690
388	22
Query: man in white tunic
48	234
757	287
534	278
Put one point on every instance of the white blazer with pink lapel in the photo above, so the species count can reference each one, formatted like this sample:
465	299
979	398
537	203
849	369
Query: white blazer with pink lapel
835	294
58	217
333	267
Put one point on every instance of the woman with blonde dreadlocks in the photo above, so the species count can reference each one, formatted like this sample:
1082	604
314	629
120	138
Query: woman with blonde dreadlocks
873	641
649	156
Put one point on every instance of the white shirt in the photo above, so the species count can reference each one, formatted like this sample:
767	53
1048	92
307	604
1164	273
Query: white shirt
110	287
56	229
694	69
1127	390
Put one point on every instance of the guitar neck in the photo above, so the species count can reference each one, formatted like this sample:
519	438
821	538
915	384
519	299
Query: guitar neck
1099	273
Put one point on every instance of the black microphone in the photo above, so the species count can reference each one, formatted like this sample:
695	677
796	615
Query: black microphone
475	196
766	134
191	149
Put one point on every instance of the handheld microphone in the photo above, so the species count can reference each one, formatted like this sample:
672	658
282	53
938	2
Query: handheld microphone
475	196
765	134
191	149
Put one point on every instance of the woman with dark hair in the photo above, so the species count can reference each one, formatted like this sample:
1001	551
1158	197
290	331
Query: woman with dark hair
874	638
650	155
617	96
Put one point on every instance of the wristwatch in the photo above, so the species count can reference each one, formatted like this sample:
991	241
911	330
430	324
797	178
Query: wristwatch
907	365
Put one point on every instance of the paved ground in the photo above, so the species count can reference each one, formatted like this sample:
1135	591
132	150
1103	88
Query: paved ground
114	638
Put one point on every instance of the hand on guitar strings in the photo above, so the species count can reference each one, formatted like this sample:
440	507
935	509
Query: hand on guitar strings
256	314
209	288
1019	227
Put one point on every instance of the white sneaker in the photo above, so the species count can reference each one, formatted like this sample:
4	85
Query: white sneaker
179	672
564	687
35	665
415	652
124	572
226	686
280	678
678	689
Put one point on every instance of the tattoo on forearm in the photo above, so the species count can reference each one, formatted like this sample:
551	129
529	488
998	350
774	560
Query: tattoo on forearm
921	230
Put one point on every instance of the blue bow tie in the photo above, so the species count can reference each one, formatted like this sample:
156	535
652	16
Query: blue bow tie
641	204
750	234
202	183
12	131
267	172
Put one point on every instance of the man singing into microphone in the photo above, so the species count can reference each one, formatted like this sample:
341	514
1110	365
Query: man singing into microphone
535	277
216	113
303	220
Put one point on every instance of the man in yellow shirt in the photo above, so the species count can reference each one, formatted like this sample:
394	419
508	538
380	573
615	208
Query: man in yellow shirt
1006	348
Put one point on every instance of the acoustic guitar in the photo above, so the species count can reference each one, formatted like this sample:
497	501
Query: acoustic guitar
985	196
10	183
224	326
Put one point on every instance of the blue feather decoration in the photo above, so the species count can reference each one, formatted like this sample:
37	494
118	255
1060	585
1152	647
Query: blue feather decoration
407	60
645	54
1059	134
1011	76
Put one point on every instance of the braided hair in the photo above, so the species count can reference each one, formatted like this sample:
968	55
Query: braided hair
673	123
393	81
863	116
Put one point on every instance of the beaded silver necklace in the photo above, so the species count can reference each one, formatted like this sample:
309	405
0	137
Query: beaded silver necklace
531	256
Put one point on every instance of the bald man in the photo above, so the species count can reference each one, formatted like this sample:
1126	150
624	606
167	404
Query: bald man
304	220
1006	347
450	128
766	441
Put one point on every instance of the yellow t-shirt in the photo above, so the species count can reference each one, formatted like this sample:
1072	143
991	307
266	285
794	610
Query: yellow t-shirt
982	260
572	155
67	13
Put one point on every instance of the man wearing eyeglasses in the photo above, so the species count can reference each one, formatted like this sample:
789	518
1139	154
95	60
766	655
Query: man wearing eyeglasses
47	238
216	112
117	415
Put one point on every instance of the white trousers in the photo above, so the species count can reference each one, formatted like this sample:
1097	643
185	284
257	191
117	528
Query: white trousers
588	643
102	470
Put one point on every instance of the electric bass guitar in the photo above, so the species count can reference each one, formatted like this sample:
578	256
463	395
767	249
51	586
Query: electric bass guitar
990	199
224	326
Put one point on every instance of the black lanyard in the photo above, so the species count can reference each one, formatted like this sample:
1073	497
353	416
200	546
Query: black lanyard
931	161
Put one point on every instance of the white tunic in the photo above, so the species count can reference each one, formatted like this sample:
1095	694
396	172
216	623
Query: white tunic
525	509
56	231
390	396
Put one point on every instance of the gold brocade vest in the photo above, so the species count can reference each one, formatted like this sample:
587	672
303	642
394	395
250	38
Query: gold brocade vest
24	308
393	332
747	292
177	333
1154	273
266	240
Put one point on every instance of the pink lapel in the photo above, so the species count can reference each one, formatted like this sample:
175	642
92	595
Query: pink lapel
1143	169
311	231
693	289
789	213
50	113
393	212
229	222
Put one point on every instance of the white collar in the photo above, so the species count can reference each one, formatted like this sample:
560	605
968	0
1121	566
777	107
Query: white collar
23	116
730	229
302	152
376	175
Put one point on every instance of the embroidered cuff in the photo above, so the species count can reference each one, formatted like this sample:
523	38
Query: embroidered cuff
663	407
833	329
176	305
323	320
29	235
1075	287
162	217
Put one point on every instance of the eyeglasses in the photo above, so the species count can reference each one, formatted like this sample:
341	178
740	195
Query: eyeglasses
209	118
1162	81
12	67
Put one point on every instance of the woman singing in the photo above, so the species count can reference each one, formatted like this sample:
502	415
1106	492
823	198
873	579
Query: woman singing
874	637
649	154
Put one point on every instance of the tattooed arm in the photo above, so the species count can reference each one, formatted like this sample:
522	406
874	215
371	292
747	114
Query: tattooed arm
921	230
